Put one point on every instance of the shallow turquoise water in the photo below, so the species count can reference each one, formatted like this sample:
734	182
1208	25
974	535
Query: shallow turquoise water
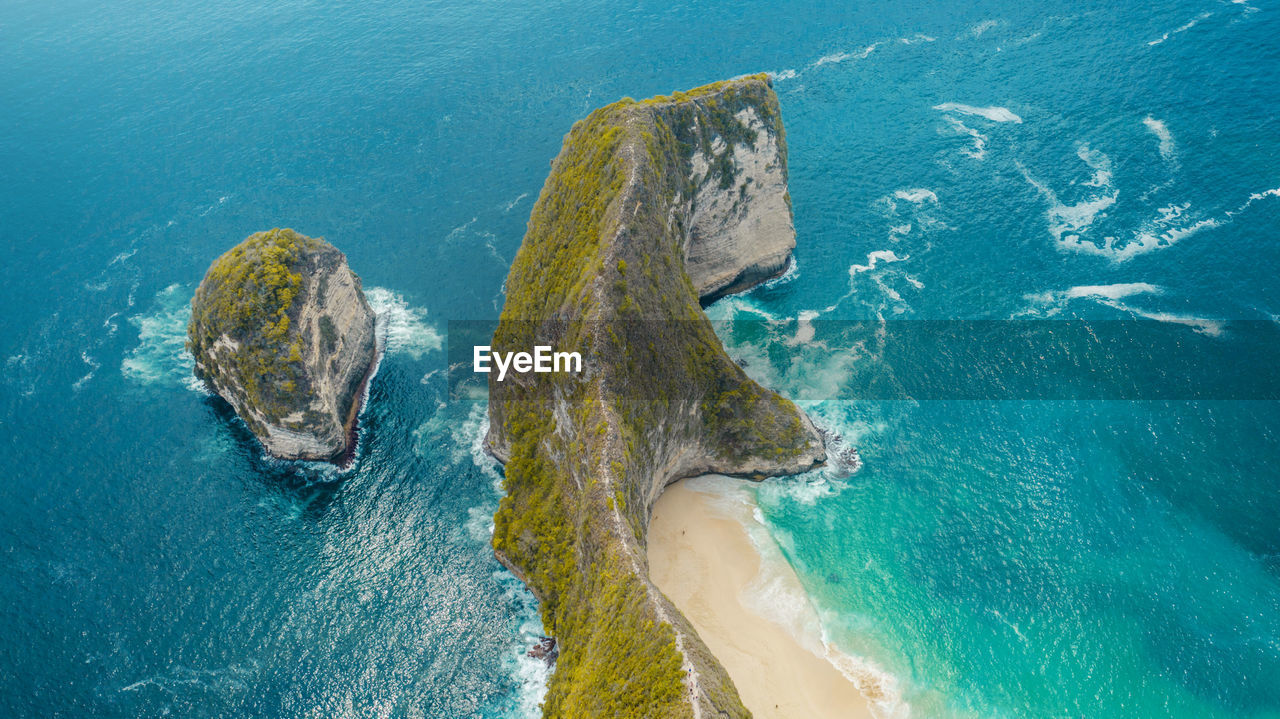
1100	559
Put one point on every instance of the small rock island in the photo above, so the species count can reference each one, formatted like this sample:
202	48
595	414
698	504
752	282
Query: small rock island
280	329
651	210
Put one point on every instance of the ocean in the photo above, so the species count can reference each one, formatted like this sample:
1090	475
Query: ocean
994	161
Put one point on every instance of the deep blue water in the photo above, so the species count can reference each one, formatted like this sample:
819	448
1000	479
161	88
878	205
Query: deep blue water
1021	559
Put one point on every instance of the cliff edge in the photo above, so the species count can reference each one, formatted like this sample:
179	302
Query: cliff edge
651	208
281	329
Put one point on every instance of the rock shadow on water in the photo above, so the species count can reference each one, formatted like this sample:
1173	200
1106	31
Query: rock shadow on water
306	488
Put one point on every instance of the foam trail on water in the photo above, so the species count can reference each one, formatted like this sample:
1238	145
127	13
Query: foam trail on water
994	114
920	211
874	261
1113	292
979	149
1203	325
1161	131
843	56
836	58
457	232
1147	240
512	204
1181	29
1054	301
1115	296
1068	222
1255	197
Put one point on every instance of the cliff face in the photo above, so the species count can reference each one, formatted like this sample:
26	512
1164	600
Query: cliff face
740	231
281	329
643	198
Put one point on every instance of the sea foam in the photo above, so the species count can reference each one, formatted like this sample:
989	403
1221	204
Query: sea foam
976	30
843	56
916	195
1161	131
1067	223
874	258
994	114
1180	29
979	149
468	440
1119	296
405	329
1053	301
161	357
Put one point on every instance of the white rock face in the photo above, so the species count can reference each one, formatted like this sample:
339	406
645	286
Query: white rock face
337	372
742	234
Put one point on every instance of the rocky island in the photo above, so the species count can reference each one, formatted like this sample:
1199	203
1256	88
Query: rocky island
651	209
280	329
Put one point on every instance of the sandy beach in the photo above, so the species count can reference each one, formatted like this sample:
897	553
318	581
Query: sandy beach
701	556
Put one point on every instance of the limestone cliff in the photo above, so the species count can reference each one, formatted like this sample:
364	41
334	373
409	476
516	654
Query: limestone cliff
281	329
650	207
740	229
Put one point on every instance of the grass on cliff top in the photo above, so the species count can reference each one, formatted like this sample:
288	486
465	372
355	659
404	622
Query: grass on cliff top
250	295
703	91
555	521
617	660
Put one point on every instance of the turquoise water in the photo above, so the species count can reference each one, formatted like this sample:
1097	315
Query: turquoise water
994	161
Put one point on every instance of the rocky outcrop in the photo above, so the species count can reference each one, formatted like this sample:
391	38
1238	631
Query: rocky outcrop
280	329
650	207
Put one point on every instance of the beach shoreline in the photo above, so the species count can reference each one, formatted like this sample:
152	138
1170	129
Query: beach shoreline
702	557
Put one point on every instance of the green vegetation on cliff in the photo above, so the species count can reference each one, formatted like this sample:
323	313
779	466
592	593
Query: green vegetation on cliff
250	295
601	271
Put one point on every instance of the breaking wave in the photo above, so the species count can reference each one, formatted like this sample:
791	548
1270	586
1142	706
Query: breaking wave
465	442
161	357
777	594
403	328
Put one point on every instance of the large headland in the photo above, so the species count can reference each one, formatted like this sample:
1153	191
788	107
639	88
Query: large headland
652	209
